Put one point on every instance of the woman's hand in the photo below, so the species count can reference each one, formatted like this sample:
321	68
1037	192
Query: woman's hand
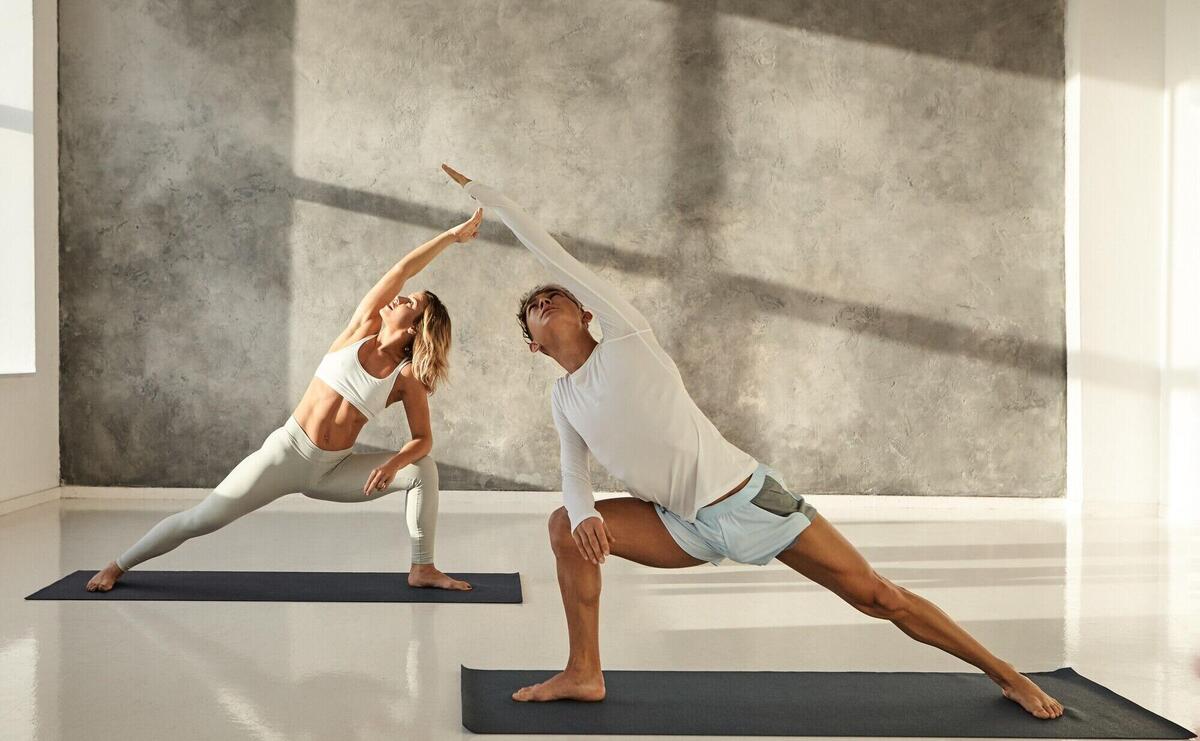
593	539
468	230
380	478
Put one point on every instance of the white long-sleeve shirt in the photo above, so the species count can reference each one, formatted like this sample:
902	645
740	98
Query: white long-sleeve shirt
626	404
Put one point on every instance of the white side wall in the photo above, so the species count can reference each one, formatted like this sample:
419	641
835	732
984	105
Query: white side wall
1131	238
29	452
1181	351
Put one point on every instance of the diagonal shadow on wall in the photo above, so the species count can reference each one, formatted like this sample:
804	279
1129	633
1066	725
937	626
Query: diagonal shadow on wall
984	33
815	307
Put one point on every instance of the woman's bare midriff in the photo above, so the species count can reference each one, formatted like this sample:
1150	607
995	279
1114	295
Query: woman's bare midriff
327	418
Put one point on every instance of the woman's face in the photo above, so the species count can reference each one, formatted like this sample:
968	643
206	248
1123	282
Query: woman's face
402	312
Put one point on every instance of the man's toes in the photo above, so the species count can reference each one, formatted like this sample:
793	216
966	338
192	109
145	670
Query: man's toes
524	694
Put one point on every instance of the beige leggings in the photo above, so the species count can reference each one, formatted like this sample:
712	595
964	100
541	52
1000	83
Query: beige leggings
289	462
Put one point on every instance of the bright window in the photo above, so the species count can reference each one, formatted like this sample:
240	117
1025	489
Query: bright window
16	187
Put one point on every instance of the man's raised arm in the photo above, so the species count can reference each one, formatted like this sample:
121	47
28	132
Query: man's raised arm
616	315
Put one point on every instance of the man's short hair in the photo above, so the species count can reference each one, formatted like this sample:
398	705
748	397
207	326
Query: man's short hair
528	298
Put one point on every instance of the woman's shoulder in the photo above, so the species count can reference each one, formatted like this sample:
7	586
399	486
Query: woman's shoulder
356	332
407	380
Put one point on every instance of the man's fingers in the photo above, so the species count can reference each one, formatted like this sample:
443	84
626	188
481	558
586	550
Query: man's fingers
597	550
579	544
585	537
457	176
598	542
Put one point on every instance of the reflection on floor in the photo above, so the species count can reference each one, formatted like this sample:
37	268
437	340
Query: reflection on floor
1116	599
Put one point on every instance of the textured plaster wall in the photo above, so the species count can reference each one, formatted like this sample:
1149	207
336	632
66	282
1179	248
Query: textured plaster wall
844	220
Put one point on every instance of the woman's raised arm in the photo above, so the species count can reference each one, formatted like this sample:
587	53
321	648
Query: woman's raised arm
414	262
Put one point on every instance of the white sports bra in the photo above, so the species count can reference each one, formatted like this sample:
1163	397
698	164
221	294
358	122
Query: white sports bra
342	371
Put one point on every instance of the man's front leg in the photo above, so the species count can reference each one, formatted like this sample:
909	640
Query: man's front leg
638	535
579	584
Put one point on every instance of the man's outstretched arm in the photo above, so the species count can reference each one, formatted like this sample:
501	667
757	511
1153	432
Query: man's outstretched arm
616	315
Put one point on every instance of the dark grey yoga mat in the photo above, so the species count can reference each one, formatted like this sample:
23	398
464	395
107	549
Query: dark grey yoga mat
807	704
282	586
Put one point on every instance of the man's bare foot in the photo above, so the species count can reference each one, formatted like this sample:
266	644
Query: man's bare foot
457	176
105	578
565	685
427	575
1021	690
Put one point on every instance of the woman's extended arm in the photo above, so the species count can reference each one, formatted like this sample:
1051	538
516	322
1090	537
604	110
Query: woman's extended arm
414	262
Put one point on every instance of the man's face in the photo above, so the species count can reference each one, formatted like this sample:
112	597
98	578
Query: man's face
550	313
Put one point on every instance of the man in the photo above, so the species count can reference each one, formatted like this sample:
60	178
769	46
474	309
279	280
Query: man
696	497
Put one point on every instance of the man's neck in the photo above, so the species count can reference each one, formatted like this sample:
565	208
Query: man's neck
573	355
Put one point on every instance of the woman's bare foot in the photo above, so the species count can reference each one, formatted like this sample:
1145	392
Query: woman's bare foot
566	685
105	578
457	176
1021	690
427	575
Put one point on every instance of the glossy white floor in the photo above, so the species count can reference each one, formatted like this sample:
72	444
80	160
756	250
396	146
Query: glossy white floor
1116	599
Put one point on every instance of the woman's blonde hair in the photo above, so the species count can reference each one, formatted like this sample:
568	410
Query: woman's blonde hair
431	345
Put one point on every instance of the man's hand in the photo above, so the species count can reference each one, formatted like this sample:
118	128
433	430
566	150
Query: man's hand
380	478
593	539
457	176
468	230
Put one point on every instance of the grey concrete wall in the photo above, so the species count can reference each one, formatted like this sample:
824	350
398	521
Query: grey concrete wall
844	220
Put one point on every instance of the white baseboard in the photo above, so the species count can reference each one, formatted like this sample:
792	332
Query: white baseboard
840	506
835	506
29	500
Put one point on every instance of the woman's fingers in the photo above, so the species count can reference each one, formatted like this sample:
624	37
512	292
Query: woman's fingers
373	482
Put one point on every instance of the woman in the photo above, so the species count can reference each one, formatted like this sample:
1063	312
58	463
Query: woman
393	349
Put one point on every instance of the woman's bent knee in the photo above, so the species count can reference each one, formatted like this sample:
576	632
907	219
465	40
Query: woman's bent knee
427	473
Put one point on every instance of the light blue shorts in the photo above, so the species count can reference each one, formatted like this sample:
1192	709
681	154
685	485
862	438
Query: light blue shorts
752	526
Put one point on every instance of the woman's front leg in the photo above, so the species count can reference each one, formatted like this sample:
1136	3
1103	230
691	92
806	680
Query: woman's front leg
420	482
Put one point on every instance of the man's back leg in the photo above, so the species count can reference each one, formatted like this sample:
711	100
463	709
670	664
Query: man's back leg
824	555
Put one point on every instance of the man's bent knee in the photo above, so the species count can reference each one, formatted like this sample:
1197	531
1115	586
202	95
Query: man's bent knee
561	539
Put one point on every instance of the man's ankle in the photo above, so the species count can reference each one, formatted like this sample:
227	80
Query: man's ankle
584	667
